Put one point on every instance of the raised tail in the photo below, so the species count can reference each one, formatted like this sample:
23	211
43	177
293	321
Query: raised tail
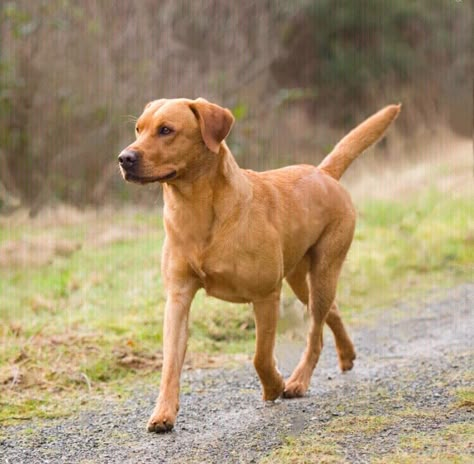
356	141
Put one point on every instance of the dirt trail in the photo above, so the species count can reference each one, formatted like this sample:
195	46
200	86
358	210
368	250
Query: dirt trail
413	359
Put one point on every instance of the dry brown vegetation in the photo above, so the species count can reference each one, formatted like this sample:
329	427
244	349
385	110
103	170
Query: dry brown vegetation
297	75
80	296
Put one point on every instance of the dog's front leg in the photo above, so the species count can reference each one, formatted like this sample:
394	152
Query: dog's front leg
266	317
175	336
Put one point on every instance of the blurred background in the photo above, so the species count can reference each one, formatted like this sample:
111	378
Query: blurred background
81	295
296	74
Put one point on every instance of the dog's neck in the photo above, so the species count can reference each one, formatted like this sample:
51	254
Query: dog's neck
193	199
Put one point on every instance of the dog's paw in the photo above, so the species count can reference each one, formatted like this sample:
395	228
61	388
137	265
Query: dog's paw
161	422
346	360
295	389
275	391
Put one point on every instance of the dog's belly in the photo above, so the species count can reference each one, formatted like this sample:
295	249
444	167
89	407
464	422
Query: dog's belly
219	289
237	290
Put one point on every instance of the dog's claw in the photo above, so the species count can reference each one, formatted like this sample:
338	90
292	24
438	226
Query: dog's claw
160	424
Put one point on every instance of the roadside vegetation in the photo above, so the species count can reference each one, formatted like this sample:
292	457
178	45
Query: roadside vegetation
82	297
275	64
451	443
387	424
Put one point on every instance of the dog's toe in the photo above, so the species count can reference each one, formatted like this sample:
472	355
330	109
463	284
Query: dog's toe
271	394
346	364
294	390
346	361
160	425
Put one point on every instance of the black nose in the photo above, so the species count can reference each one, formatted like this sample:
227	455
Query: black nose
128	158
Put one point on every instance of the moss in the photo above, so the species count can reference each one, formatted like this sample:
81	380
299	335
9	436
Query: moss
306	450
465	397
451	444
365	425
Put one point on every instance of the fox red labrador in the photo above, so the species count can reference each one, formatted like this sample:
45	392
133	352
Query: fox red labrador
238	233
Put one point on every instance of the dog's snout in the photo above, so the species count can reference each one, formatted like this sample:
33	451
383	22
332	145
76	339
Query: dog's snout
128	158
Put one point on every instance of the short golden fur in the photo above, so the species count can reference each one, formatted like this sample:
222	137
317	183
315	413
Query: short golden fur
238	233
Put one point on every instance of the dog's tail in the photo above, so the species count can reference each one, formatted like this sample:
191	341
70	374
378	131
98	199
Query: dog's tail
356	141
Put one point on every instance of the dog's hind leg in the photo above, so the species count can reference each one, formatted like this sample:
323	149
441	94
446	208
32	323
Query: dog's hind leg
345	349
325	262
344	346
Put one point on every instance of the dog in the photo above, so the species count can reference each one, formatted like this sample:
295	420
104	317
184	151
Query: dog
238	233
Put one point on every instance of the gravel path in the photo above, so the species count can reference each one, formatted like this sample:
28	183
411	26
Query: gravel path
412	357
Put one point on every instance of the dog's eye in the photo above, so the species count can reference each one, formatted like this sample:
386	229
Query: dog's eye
137	130
164	130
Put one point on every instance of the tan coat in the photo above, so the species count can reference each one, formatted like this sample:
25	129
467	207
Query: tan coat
238	233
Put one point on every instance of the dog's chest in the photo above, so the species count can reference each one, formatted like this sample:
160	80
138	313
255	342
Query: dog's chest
237	260
239	272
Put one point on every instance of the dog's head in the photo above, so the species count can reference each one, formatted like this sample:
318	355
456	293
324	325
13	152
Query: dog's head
175	139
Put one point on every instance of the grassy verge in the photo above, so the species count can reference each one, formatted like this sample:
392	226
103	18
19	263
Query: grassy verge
449	444
82	300
405	247
389	428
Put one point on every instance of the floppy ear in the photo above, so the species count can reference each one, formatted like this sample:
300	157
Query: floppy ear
215	122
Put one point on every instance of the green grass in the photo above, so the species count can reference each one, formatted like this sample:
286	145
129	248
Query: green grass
328	443
407	246
325	445
465	397
93	320
307	450
367	425
452	443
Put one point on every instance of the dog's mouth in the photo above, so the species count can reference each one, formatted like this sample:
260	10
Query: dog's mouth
147	180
